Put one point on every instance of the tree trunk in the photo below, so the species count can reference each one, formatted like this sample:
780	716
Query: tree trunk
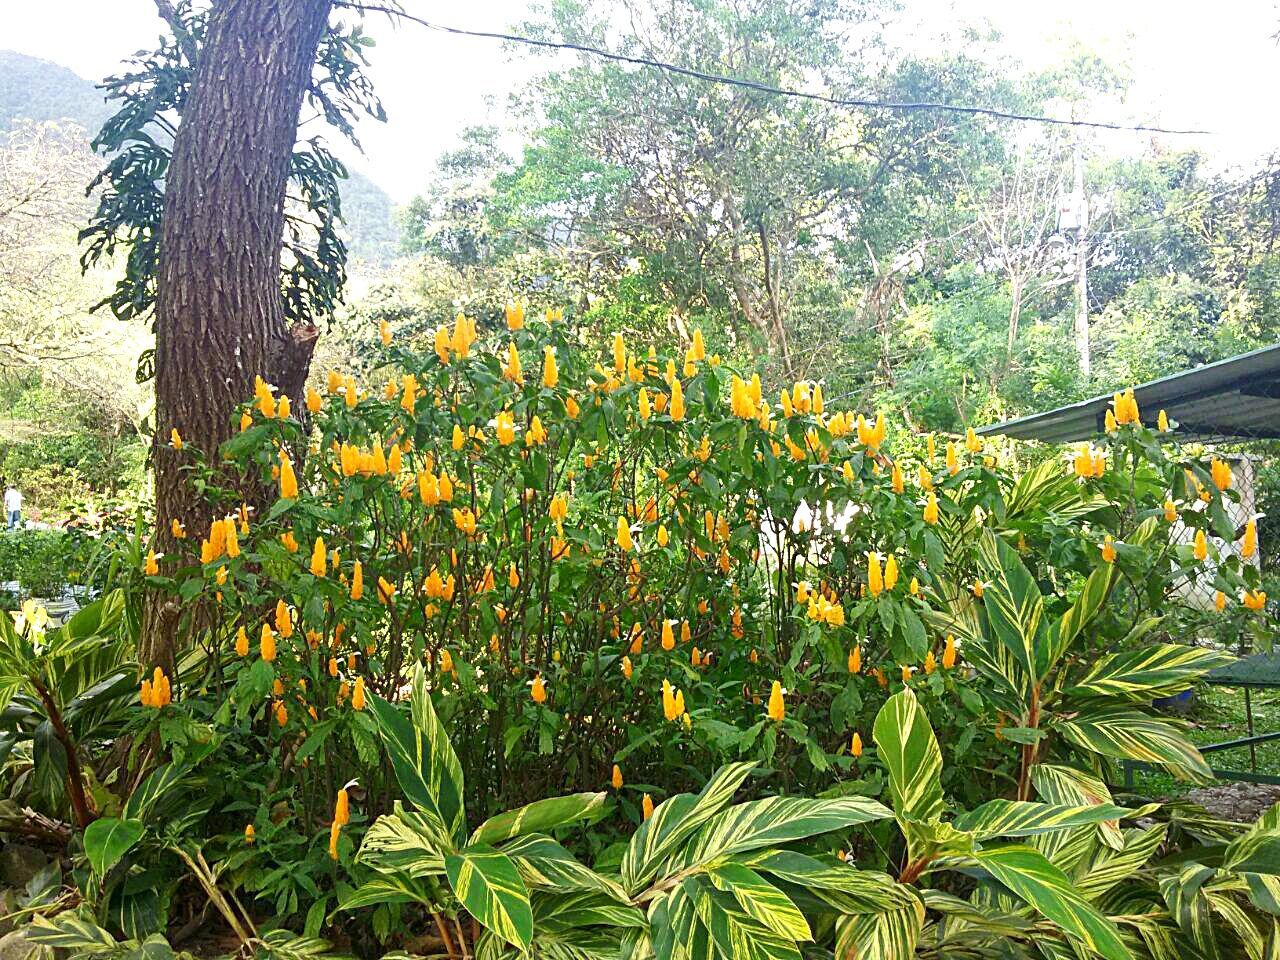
219	313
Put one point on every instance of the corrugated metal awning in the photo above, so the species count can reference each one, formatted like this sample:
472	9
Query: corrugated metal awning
1237	398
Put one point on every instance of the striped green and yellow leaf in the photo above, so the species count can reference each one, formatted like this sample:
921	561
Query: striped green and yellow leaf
770	822
1019	818
387	888
761	900
674	821
539	816
1160	670
544	863
488	884
906	745
1046	889
732	934
1120	732
411	841
1012	606
888	935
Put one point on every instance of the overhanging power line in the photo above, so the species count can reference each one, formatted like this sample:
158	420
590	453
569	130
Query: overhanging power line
865	103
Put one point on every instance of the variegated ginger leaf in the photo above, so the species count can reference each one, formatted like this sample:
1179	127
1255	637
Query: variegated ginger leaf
1012	605
1158	670
674	821
539	817
906	745
761	900
889	935
487	883
1120	732
1019	818
1046	889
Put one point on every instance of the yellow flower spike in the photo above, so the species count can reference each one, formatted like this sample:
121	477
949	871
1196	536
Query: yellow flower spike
642	404
953	460
875	580
668	636
906	674
1108	550
914	587
357	695
1200	548
646	806
267	643
1220	471
249	834
1110	422
930	663
277	688
627	668
896	482
283	409
777	705
855	660
972	442
151	567
319	564
538	690
1170	511
288	479
512	370
699	349
855	746
146	696
891	572
1254	599
284	620
978	589
1162	422
175	439
313	400
386	590
384	332
619	355
615	781
624	535
949	653
242	642
1249	542
513	578
1219	601
686	634
515	315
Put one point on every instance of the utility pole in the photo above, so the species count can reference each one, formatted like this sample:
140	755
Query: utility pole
1081	204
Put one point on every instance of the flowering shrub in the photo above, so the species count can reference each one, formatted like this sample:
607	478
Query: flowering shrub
623	572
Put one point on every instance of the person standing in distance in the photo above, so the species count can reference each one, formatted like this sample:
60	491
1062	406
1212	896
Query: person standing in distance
12	506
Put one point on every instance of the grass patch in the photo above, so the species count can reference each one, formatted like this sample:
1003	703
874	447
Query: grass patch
1219	715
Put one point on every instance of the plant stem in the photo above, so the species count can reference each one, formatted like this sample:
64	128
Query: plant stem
75	779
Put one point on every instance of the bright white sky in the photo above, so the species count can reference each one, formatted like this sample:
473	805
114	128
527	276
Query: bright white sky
1216	68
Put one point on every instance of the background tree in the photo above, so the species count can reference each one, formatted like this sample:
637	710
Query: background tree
237	279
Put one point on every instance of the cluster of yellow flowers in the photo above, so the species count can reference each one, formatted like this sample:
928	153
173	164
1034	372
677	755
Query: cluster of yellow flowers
673	704
156	692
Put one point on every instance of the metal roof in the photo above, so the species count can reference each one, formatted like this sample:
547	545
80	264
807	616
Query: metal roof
1234	398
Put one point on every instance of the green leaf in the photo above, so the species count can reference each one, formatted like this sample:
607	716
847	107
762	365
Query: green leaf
70	931
773	821
889	935
761	900
1159	670
489	886
1019	818
387	888
1045	888
1080	614
582	908
838	884
409	841
1012	605
674	821
1190	907
1068	786
1135	736
906	745
424	761
731	932
544	863
539	816
1106	867
108	839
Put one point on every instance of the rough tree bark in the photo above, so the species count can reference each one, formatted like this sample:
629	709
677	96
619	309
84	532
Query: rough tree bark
219	313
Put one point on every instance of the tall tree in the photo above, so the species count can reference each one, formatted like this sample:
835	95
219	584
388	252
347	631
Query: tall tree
237	278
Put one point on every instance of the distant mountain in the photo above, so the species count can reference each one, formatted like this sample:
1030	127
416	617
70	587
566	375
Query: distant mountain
40	90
